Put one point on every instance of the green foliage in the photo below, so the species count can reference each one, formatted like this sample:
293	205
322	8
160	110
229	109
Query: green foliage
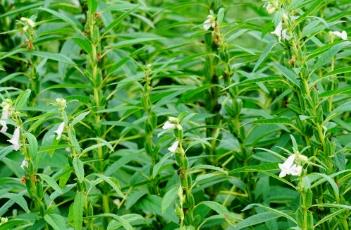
175	114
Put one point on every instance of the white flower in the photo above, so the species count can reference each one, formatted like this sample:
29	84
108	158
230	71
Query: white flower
4	116
342	35
24	164
210	22
5	111
174	147
172	123
168	125
289	168
280	32
295	170
270	8
15	140
28	21
59	130
3	126
3	220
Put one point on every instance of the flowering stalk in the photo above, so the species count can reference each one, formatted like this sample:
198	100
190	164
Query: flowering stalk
5	115
95	73
30	179
26	26
213	41
187	202
306	101
150	125
293	166
64	127
307	95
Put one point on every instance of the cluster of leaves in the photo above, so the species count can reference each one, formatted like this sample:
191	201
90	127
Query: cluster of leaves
91	83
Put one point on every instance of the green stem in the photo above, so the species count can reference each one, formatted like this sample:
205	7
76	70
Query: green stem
150	125
187	202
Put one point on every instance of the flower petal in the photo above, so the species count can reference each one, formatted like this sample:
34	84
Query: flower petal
168	125
173	148
15	139
59	130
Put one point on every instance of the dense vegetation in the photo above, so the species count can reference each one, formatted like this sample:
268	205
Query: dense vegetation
175	114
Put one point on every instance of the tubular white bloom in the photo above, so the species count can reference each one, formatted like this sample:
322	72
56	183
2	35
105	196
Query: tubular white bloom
24	164
15	140
210	22
172	123
289	168
168	125
59	130
286	166
342	34
281	33
4	116
5	111
295	170
174	147
270	8
28	21
3	126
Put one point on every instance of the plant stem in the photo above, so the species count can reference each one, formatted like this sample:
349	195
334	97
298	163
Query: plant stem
150	125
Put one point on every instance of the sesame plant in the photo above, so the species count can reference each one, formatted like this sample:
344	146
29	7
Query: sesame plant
175	114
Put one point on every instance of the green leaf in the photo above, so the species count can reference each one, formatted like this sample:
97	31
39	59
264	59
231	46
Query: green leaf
64	18
255	219
169	198
51	182
220	15
53	56
341	70
280	120
57	222
92	5
73	140
345	90
84	44
18	199
255	168
79	118
327	56
78	169
22	99
230	217
263	55
113	183
118	20
77	210
22	9
134	41
32	147
272	210
288	74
